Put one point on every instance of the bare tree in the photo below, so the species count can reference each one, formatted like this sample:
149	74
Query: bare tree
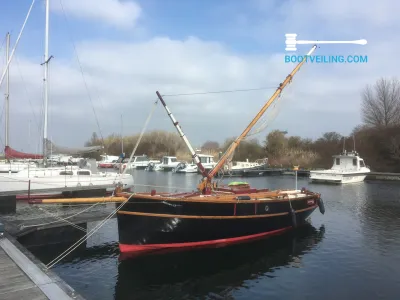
210	145
381	103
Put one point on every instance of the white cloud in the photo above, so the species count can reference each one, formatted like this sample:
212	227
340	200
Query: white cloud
123	76
119	13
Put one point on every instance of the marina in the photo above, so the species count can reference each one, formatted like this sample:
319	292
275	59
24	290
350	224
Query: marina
107	192
96	271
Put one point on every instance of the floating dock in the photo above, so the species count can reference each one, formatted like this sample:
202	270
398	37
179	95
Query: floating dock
23	277
383	176
372	176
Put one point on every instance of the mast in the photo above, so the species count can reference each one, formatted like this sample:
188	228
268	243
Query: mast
205	185
183	136
29	135
45	81
7	104
344	141
16	43
122	137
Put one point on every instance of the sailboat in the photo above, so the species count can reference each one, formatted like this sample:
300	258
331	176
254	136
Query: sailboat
56	178
12	164
214	215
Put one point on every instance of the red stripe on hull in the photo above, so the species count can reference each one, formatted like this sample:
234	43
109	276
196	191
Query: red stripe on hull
144	249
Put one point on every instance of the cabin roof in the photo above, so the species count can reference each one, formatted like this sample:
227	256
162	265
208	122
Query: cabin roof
349	155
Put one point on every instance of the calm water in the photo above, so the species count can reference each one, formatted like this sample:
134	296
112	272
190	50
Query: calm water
351	252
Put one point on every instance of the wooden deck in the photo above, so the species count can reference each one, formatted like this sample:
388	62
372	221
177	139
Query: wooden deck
15	284
22	279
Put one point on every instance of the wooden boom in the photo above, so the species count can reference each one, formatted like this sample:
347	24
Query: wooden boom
183	136
205	185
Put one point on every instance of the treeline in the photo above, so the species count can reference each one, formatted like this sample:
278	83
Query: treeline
377	140
155	144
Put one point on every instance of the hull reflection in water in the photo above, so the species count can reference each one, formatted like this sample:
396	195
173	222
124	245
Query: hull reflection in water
47	253
187	275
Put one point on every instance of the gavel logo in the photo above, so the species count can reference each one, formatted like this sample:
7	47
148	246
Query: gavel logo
291	42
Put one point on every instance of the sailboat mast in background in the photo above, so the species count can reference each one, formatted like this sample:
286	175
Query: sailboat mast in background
46	70
122	136
7	104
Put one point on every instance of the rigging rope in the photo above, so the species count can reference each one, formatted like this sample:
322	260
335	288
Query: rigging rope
140	137
83	77
220	92
69	217
265	121
84	238
62	219
26	91
16	43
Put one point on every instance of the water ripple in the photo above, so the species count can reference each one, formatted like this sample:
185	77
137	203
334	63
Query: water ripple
351	252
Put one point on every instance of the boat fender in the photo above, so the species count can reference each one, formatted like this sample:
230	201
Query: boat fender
243	198
153	192
293	216
321	206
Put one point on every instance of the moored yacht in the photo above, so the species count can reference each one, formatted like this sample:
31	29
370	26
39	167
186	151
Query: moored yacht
242	167
206	160
56	178
16	166
107	161
139	162
348	167
168	163
154	165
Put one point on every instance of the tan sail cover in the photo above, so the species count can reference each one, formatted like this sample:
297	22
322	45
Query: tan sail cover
56	149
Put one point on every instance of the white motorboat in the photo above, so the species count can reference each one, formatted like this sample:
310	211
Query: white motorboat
107	161
168	163
241	167
139	162
348	167
154	165
206	160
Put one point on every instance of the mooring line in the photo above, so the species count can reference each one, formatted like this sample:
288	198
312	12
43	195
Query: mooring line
62	219
69	217
83	239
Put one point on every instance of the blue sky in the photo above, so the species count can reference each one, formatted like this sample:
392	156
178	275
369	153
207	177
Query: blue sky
177	19
129	49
